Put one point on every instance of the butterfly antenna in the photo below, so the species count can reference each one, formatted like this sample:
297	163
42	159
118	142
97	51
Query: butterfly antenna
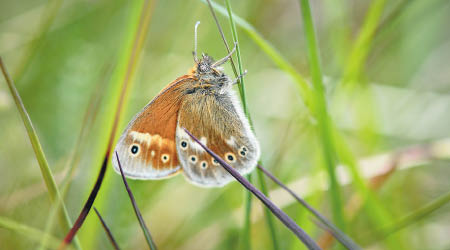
223	60
195	42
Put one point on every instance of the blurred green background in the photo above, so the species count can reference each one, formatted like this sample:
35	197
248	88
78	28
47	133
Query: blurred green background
392	109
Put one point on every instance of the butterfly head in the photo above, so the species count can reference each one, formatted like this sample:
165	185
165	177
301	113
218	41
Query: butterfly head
205	65
210	73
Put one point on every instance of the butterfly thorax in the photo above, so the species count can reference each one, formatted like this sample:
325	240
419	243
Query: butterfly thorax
210	77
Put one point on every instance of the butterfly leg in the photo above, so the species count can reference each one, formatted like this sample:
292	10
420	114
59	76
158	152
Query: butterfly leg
239	77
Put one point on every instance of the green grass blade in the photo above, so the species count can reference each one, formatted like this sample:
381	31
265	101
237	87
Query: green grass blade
238	55
46	172
135	33
29	232
51	10
375	210
417	215
321	114
268	215
89	117
270	51
362	44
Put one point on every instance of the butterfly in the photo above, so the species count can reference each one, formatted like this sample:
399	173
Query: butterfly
155	146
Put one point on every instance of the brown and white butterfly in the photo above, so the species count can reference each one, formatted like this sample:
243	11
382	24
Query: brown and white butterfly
154	145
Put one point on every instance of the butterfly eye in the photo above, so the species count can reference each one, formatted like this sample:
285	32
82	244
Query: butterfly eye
203	67
214	162
183	144
193	158
134	149
165	158
204	164
230	157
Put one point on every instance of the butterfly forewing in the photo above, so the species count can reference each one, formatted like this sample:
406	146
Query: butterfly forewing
147	147
223	128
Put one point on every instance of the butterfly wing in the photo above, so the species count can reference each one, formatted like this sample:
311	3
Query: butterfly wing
147	149
218	121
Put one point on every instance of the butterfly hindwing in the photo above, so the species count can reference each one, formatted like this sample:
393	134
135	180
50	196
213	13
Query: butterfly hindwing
147	148
218	121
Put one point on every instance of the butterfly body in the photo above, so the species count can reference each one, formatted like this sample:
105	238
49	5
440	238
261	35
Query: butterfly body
155	145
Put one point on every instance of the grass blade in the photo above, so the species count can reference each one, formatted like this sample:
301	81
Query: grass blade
321	114
282	216
132	60
241	86
108	232
87	206
29	232
89	117
361	47
144	227
338	234
49	180
270	50
417	215
246	242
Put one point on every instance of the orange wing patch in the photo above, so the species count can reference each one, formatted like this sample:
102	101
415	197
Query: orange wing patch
147	147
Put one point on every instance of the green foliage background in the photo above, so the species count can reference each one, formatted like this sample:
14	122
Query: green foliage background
384	94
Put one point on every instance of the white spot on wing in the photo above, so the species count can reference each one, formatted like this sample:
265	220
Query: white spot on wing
141	137
231	141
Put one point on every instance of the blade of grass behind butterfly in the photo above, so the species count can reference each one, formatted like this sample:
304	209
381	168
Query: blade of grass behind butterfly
29	232
272	53
89	118
120	81
46	172
268	215
321	114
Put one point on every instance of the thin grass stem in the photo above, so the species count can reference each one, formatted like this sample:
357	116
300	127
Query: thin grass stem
270	51
241	85
141	27
107	230
89	117
338	234
144	227
282	216
46	172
